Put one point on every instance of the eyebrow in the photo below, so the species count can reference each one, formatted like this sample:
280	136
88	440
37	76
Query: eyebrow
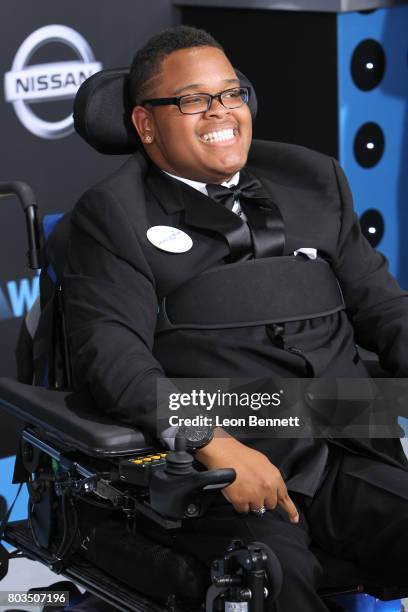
200	85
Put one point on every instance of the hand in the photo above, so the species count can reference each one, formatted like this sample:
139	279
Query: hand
258	482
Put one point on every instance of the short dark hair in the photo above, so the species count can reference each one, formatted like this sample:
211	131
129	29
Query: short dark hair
147	61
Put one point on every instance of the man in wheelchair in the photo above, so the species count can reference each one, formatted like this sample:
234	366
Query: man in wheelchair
206	256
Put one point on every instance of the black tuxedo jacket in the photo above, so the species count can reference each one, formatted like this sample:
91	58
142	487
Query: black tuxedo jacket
115	279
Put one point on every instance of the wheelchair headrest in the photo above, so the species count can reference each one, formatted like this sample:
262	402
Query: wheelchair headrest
102	110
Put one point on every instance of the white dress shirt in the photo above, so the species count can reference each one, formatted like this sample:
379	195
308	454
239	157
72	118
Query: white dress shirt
233	182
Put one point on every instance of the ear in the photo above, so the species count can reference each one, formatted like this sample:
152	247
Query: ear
144	124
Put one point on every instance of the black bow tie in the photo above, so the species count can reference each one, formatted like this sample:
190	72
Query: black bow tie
248	187
264	218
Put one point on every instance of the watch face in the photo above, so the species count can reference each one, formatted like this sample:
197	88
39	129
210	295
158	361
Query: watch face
196	436
199	434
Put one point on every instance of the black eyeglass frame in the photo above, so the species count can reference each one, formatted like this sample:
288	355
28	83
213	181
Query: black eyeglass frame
177	101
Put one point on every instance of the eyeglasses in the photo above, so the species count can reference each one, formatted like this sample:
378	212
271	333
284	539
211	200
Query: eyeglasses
192	104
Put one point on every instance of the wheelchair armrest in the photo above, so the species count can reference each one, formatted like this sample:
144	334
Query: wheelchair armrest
72	419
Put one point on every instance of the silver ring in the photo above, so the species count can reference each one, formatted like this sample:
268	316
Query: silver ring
259	511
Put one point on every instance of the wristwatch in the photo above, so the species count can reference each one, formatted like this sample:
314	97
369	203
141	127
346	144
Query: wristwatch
196	437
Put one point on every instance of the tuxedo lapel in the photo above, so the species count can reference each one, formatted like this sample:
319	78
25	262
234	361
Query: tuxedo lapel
165	190
200	211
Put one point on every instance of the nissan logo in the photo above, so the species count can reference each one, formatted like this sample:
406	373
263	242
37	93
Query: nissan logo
25	84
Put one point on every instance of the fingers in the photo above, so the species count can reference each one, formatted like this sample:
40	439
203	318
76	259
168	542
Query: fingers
272	500
269	490
282	499
287	505
243	507
256	505
239	506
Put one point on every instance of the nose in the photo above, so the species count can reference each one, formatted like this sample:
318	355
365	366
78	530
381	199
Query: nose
217	109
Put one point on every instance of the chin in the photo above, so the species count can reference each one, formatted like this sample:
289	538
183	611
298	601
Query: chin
230	166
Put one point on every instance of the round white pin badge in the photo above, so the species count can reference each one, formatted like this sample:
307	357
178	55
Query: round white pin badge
169	239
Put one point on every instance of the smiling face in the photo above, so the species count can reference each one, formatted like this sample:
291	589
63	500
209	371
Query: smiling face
209	147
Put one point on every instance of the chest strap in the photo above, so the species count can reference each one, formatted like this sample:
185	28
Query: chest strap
253	292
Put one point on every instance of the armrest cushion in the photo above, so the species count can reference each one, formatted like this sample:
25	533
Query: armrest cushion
70	418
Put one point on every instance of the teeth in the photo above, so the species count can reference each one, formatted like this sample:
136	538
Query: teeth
219	136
